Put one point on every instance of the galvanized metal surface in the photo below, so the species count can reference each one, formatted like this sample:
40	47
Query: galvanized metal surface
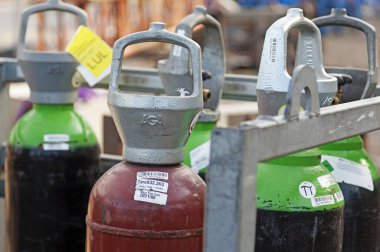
49	74
364	81
236	87
175	72
232	179
164	122
273	79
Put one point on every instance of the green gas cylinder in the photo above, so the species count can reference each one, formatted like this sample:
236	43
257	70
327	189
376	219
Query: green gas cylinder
359	180
299	204
348	162
53	155
52	163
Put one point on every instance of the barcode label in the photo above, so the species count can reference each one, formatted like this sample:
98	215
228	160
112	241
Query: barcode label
152	185
326	180
322	200
151	197
200	156
153	175
273	49
339	196
55	146
349	172
56	138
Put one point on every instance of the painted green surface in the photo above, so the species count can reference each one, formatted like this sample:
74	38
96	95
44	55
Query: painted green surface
351	149
45	119
201	134
278	182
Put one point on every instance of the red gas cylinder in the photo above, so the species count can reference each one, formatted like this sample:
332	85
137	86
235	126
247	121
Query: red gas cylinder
150	202
124	218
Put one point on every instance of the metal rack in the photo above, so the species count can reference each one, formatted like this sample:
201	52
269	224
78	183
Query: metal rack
235	153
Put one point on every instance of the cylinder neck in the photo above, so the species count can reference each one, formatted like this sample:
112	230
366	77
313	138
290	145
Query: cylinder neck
53	107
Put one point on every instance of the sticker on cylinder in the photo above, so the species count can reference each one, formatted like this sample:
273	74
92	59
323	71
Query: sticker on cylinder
307	189
338	196
152	175
55	146
349	172
326	180
56	142
152	185
322	200
151	197
200	156
56	138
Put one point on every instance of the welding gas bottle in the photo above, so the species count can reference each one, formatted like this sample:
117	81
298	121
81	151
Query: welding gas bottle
176	78
53	154
347	160
299	204
150	201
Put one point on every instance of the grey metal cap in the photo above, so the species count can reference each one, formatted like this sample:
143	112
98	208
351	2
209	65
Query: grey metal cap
175	72
155	129
273	78
363	81
49	74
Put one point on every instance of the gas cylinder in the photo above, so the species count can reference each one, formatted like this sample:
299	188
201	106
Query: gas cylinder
175	75
299	204
150	201
348	162
53	154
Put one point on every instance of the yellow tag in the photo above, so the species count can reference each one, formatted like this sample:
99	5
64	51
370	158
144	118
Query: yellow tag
90	51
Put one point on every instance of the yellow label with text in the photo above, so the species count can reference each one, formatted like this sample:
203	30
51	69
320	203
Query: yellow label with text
90	51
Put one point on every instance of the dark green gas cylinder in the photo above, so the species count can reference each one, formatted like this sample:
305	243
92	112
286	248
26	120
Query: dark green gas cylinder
299	204
359	180
52	163
349	163
53	155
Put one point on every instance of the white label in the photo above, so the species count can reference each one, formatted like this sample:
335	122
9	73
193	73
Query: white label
151	197
349	172
56	138
90	78
177	50
322	200
200	156
338	196
153	185
152	175
307	189
55	146
326	180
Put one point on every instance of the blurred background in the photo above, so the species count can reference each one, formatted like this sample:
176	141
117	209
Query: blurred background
244	24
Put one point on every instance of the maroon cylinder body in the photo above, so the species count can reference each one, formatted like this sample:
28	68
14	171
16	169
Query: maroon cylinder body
120	219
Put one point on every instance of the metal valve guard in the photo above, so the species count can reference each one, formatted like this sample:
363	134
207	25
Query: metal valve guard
154	129
363	81
175	71
273	78
49	74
